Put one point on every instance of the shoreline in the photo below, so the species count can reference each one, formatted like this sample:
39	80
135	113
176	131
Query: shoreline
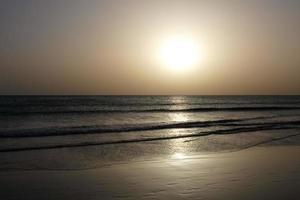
269	172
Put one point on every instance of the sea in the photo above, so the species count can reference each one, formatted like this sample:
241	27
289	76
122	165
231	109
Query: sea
79	132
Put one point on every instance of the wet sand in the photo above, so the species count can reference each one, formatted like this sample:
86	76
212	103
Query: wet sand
256	173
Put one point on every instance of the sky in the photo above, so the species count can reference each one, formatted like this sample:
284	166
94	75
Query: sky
112	47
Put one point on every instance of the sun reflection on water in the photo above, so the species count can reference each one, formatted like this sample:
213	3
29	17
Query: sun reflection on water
178	103
177	148
178	117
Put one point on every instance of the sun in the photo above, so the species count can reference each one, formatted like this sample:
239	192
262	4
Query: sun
179	53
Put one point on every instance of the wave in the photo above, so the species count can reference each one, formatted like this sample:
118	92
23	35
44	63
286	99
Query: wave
195	135
159	110
76	130
95	129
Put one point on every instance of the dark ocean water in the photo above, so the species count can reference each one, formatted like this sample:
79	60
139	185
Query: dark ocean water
127	126
136	116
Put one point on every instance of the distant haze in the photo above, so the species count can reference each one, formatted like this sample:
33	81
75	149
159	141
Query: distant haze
110	47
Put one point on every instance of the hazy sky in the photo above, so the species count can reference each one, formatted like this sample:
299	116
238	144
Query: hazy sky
111	47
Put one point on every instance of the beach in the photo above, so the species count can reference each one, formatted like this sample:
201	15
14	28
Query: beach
255	173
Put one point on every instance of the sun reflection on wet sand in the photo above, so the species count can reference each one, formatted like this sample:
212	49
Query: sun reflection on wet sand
178	156
178	150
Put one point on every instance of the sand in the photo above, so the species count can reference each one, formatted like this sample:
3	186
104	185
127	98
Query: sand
256	173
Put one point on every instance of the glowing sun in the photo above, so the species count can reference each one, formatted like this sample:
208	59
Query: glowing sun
179	53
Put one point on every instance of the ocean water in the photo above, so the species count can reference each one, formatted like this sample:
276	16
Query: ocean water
86	131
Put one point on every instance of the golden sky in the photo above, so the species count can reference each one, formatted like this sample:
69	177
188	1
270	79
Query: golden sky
114	47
